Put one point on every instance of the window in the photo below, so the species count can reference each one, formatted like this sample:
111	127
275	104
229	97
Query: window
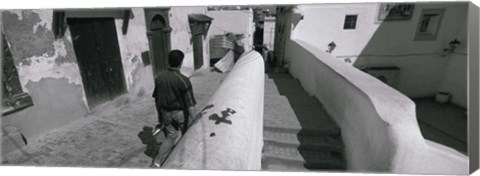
429	24
350	22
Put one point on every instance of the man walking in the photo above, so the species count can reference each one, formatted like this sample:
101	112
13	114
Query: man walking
175	103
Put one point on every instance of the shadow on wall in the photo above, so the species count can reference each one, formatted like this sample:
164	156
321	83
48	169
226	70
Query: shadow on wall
407	49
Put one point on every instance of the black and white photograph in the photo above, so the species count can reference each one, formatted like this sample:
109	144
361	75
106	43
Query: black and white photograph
374	87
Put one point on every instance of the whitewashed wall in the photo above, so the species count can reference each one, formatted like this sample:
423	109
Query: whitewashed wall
181	34
236	21
379	125
373	42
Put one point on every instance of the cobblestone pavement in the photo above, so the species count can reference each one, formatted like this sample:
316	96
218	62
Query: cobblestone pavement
106	139
117	135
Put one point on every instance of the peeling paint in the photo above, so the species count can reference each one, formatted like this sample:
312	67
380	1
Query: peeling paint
60	47
66	50
69	71
47	66
132	44
19	13
24	42
45	19
36	53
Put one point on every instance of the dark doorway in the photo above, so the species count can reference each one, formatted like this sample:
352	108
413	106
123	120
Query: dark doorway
197	51
199	24
258	38
159	39
98	55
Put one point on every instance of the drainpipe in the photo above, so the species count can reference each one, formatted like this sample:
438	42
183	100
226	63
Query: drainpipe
228	134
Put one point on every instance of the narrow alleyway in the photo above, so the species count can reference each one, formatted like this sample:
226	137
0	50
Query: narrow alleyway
299	135
116	134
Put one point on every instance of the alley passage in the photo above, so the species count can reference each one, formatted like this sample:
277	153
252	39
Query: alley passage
298	133
108	137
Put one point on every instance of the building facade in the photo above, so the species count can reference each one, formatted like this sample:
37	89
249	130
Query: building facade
66	63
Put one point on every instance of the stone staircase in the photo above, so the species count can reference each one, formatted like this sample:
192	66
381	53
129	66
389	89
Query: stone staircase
298	133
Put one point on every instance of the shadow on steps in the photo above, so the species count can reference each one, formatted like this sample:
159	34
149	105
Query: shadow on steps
319	140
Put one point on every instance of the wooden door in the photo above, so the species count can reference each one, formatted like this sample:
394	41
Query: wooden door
107	42
98	55
160	51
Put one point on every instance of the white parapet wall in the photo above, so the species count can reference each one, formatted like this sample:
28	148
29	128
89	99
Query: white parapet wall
379	125
229	133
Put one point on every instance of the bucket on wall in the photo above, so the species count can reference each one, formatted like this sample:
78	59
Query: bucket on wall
442	97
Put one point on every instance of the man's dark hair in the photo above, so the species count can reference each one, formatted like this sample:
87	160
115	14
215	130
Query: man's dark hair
175	58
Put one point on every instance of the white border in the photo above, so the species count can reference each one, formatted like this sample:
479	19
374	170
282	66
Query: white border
49	4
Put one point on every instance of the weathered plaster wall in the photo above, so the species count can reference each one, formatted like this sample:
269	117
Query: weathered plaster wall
378	123
45	63
36	52
236	21
47	71
181	34
386	43
56	103
132	44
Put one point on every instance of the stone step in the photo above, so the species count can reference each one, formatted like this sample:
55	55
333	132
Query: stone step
271	88
267	77
305	101
277	70
299	135
290	87
279	123
280	76
310	159
296	129
333	162
271	92
292	101
270	83
304	141
314	118
277	115
278	106
278	166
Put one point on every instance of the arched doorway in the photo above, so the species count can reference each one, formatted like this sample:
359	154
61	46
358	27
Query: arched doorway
158	38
